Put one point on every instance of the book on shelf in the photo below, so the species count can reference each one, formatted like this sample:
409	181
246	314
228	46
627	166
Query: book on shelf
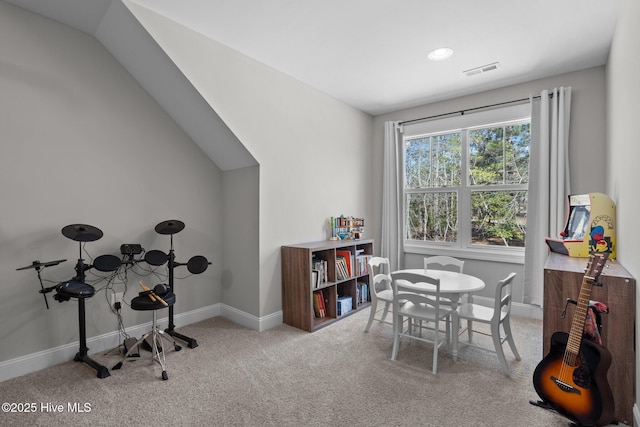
344	305
342	272
318	305
362	264
362	292
347	256
321	266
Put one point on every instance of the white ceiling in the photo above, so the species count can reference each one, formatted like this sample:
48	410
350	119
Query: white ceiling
372	54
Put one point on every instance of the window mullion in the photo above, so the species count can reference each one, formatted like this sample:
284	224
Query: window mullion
431	195
464	195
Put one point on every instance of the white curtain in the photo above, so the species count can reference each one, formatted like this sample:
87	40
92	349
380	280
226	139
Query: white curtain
548	184
391	242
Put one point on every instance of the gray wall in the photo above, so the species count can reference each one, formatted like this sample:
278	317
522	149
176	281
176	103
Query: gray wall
314	152
240	255
81	142
623	149
85	143
587	142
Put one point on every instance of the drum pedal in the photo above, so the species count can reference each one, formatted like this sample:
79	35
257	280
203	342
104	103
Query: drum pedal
147	345
128	344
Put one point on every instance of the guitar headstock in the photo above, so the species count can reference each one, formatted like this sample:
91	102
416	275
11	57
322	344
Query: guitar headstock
595	266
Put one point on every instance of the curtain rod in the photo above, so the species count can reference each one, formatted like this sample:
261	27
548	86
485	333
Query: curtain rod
461	112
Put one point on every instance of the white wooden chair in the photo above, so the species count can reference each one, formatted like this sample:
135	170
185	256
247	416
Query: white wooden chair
379	288
496	316
417	297
444	262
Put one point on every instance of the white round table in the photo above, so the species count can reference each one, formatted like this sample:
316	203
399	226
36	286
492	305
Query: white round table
452	286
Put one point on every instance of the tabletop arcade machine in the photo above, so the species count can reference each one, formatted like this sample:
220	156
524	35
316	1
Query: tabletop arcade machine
590	227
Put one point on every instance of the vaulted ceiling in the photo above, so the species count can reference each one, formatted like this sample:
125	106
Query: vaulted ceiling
370	54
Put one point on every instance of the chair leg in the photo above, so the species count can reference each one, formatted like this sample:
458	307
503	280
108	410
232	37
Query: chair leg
497	343
507	330
374	305
470	330
397	325
436	334
387	304
448	329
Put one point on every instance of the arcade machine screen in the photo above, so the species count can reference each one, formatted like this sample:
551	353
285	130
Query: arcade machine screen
577	224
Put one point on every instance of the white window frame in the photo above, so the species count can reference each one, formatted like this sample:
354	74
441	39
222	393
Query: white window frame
462	123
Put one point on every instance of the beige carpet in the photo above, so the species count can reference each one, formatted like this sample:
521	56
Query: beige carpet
335	376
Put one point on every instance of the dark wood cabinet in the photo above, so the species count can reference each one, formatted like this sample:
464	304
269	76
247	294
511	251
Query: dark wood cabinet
302	287
562	279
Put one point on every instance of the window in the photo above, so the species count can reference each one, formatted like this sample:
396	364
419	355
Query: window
465	188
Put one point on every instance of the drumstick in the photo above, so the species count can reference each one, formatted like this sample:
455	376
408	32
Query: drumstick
161	300
154	297
144	288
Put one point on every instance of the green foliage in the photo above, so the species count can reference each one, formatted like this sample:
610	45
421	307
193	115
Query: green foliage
498	156
498	217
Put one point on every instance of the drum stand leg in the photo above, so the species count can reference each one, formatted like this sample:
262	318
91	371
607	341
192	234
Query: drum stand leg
82	356
191	342
157	348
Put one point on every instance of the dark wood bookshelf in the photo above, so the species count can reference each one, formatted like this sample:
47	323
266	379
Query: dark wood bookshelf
298	288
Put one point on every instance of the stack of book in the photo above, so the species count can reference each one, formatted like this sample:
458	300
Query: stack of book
344	305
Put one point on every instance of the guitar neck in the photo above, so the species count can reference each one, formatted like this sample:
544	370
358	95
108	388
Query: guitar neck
579	318
594	269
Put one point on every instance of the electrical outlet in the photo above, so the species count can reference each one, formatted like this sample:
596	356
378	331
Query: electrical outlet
117	297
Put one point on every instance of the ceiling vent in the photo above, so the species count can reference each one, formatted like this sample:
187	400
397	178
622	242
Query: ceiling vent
482	69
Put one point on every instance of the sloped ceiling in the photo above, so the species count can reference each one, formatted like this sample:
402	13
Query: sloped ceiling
370	54
117	29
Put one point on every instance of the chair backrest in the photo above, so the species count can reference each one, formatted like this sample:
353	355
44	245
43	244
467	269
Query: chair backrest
379	277
444	261
417	288
502	303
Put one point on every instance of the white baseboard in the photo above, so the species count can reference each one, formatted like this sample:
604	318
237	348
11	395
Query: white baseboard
250	321
44	359
636	415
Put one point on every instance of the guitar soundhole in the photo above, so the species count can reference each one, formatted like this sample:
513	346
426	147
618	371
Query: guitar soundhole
582	376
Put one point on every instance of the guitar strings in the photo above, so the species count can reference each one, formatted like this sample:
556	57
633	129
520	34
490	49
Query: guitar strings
571	353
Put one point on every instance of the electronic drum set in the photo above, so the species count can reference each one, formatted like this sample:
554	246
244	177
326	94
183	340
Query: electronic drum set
77	288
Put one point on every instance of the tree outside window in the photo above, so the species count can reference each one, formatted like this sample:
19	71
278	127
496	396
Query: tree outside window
469	186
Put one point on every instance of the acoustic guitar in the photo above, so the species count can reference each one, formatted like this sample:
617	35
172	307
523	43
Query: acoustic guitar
572	378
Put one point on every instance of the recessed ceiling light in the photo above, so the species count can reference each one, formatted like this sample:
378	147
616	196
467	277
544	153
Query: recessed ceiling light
440	53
